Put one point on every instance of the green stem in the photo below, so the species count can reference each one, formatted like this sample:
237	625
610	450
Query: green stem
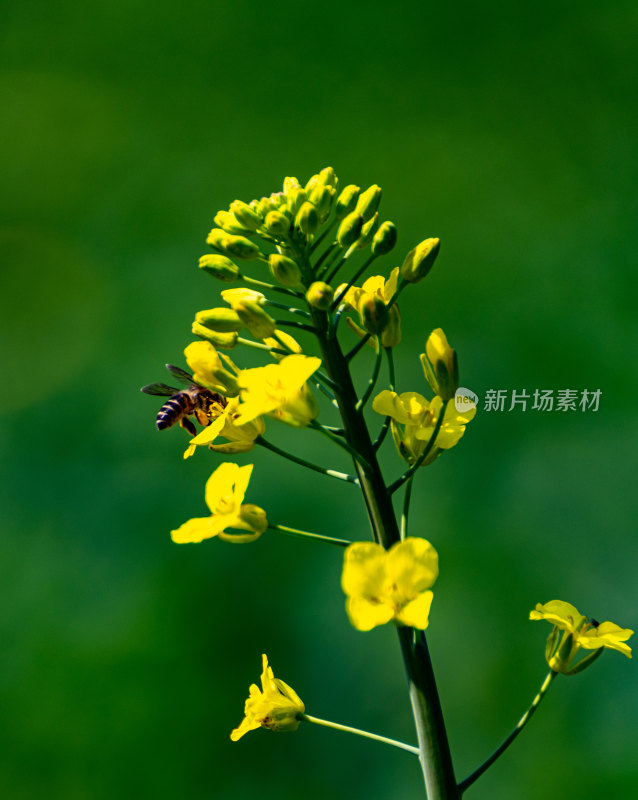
406	507
271	287
464	785
373	379
360	344
262	346
435	756
292	323
317	537
351	282
299	311
345	445
347	729
342	476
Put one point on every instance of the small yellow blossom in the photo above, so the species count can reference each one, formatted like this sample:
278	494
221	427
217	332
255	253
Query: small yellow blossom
579	632
414	419
358	298
279	390
277	706
241	438
389	585
224	494
283	341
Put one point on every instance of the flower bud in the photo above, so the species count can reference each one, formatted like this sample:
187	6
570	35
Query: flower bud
368	202
347	201
329	178
391	335
223	320
367	232
350	229
320	295
307	219
440	365
296	198
255	318
290	184
419	261
245	215
321	197
374	314
220	267
229	223
240	247
224	341
284	270
277	224
384	239
216	238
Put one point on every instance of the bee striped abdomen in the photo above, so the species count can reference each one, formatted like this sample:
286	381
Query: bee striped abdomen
173	410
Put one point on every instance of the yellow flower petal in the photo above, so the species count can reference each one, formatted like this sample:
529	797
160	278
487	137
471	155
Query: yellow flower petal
564	615
363	568
195	530
413	565
365	614
416	613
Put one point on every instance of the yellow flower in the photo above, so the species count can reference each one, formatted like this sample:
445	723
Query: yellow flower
241	438
389	585
277	706
225	490
358	298
440	365
279	390
414	419
209	370
284	340
579	632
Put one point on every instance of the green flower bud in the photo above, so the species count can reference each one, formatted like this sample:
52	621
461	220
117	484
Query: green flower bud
245	215
277	224
350	229
368	202
419	261
374	314
322	197
347	201
223	341
284	270
391	335
368	231
222	320
320	295
290	184
240	247
220	267
260	324
384	239
329	178
229	223
296	198
307	219
313	183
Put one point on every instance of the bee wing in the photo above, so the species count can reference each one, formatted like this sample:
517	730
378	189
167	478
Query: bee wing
180	374
159	389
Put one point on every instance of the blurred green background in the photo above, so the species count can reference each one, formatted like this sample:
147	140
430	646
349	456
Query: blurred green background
509	130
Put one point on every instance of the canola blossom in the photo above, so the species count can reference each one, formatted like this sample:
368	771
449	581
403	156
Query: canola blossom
389	585
279	390
224	494
580	632
275	706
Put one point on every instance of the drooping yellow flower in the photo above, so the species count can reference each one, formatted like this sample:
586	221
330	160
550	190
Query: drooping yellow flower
241	438
359	299
579	632
279	390
414	420
277	706
389	585
224	494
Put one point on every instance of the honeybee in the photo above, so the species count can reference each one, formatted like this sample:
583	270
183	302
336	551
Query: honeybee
194	401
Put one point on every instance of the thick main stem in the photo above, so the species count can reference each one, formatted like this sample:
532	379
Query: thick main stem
435	756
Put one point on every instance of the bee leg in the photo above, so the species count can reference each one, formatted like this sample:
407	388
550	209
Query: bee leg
202	418
188	426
